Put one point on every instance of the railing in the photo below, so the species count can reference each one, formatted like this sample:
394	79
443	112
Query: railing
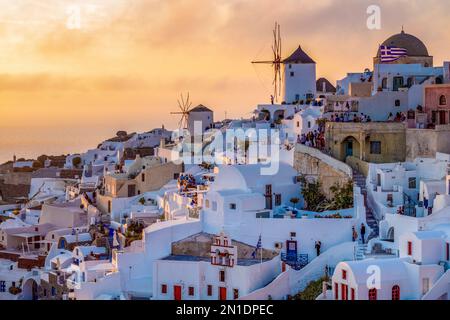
296	262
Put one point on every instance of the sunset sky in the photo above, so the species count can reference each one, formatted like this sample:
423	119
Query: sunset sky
64	90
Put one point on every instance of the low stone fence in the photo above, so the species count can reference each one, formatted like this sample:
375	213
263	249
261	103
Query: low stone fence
358	165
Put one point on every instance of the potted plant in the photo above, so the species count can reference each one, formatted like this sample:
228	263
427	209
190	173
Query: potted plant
294	202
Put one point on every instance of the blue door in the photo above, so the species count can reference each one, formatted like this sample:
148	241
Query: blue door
349	148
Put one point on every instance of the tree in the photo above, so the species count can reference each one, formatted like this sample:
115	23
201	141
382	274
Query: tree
342	196
312	194
76	162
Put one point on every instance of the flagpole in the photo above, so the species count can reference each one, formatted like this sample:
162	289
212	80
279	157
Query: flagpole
260	237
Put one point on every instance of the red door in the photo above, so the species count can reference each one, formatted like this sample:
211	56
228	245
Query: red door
222	293
344	292
177	293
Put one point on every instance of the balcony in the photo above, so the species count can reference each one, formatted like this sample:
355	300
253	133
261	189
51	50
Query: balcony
296	262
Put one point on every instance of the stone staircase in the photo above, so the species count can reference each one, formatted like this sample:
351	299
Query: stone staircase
360	181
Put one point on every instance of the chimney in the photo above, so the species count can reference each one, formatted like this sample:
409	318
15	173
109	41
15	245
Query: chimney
324	86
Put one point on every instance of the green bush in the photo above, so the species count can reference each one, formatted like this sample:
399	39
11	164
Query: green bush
312	290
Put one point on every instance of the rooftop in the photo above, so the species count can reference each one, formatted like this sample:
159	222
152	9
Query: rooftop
299	56
240	262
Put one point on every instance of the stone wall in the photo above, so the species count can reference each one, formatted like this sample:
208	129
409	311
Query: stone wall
199	245
426	142
17	178
358	165
318	166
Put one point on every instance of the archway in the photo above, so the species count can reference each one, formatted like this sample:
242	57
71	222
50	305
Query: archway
278	115
390	234
350	147
30	290
264	115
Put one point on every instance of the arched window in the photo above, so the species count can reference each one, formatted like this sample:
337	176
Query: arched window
396	292
442	100
373	294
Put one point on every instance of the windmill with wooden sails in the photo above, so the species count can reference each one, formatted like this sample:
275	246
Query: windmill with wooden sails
275	62
185	107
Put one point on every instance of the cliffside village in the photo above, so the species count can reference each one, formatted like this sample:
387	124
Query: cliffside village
363	183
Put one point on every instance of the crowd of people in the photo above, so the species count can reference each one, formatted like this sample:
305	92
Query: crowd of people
186	181
347	117
314	139
399	117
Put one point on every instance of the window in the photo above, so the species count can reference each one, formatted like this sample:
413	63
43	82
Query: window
53	291
395	292
309	124
433	116
390	198
235	294
143	177
375	147
397	103
442	100
373	294
384	83
290	66
232	206
292	73
412	183
293	234
278	199
344	274
297	97
352	290
191	291
207	203
268	190
2	286
298	124
209	290
409	248
222	276
164	288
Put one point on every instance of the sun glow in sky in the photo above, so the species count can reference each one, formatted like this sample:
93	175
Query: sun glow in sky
74	72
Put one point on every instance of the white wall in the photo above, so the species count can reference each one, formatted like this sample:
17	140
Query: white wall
302	83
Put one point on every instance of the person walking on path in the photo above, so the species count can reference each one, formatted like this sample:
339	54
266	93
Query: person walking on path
363	232
354	234
318	246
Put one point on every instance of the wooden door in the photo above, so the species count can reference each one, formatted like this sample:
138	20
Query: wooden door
177	293
344	292
222	293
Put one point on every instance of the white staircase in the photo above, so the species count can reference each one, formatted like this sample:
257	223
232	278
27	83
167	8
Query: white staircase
360	251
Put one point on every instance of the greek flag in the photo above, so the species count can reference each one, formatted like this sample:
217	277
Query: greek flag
390	54
258	246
